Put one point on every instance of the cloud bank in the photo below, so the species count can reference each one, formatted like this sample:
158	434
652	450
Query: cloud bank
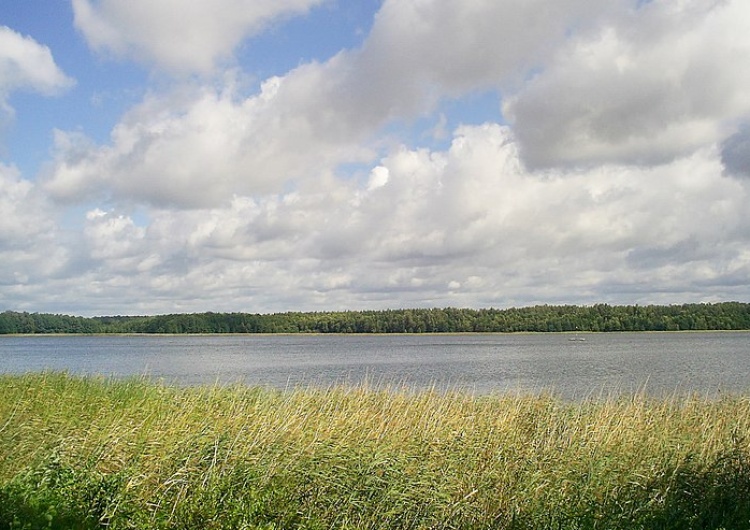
617	174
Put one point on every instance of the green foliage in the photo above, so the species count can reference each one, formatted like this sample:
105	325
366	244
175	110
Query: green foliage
55	496
543	318
93	453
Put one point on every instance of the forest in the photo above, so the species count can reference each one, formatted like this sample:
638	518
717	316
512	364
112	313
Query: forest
540	318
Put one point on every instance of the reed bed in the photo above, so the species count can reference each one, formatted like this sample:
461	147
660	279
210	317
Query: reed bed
100	453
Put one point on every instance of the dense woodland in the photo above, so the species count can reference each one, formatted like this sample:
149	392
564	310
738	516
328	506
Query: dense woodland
541	318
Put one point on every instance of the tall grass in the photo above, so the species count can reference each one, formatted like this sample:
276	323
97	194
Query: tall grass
92	453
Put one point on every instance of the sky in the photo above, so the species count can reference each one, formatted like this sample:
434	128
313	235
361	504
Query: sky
161	156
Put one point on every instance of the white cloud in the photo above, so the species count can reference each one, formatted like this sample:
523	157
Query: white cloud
585	83
183	37
607	185
644	88
462	45
378	178
113	237
465	226
26	64
21	210
32	248
198	147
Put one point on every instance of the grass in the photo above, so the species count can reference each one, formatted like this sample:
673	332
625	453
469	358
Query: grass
81	453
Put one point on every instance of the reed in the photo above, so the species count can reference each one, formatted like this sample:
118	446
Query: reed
92	452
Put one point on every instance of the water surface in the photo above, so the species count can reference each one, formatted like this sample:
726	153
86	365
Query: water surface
603	364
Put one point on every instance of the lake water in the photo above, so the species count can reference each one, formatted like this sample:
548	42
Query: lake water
604	364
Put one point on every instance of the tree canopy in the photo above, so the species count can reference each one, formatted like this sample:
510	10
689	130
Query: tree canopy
540	318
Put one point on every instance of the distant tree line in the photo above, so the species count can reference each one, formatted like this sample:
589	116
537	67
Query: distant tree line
540	318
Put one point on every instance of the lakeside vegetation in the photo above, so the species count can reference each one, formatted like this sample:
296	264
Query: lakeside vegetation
542	318
92	453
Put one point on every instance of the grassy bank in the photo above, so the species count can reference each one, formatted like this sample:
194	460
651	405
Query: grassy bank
90	453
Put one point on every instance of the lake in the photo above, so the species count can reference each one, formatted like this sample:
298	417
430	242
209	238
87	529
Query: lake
604	364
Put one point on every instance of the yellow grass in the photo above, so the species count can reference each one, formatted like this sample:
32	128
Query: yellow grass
84	453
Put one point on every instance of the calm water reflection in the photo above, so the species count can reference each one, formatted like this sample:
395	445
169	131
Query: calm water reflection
605	363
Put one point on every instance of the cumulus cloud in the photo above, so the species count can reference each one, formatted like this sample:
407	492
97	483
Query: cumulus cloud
21	209
183	37
469	225
460	46
580	81
643	88
477	200
31	246
584	83
200	147
26	64
606	184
